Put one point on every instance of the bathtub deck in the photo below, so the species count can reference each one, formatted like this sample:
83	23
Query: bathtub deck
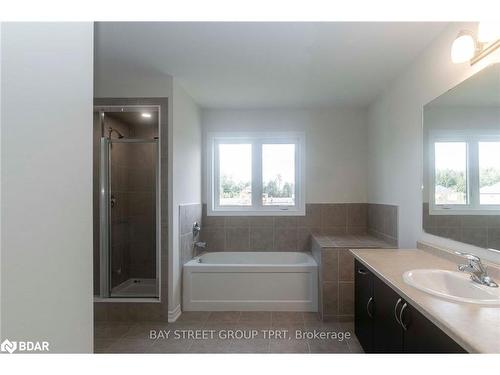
133	337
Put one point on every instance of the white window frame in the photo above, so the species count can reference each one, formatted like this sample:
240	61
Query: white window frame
472	139
256	140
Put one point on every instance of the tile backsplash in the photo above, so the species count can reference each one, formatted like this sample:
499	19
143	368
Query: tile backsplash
293	233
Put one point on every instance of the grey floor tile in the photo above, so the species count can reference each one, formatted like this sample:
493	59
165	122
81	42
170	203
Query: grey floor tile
354	345
107	330
347	326
328	346
261	317
257	345
290	327
170	346
288	346
140	331
259	327
285	317
123	337
185	325
193	317
311	317
102	345
209	346
224	317
323	326
220	326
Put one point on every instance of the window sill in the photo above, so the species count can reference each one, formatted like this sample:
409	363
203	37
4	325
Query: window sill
299	212
456	211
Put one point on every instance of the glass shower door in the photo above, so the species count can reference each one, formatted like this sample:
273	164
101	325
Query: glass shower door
132	201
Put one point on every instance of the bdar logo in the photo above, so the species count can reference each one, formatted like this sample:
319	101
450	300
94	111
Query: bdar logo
8	346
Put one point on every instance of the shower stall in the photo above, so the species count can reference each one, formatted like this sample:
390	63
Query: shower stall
128	201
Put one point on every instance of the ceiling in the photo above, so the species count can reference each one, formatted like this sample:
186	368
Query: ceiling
264	65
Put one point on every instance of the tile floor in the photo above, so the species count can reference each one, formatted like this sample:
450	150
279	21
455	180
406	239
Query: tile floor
123	337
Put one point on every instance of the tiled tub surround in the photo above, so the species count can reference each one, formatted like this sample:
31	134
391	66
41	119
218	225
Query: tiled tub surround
478	230
383	222
188	215
134	337
336	272
293	233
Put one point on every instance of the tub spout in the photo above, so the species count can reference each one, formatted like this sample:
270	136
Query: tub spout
199	247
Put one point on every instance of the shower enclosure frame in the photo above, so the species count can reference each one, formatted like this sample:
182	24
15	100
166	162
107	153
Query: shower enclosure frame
105	203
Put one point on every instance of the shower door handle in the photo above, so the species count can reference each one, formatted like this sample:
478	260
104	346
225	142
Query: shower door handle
112	201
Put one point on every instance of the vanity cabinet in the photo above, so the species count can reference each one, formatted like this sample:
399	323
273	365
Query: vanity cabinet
386	323
422	336
363	307
386	329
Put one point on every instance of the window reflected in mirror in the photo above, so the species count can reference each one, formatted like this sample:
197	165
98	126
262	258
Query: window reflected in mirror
461	162
450	173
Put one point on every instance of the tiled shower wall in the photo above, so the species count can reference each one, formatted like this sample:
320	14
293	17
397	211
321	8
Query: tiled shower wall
383	222
119	213
133	214
292	233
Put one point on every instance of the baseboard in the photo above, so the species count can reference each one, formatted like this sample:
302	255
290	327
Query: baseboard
174	314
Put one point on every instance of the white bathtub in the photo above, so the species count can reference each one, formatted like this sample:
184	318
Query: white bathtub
251	281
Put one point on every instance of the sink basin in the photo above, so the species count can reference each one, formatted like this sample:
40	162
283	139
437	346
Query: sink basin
455	286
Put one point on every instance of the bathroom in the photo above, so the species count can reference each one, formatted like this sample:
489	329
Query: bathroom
258	187
236	260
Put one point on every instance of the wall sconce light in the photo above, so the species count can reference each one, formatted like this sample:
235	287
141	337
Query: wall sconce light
472	47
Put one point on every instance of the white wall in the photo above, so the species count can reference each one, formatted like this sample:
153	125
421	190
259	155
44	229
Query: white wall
336	142
186	173
395	136
46	175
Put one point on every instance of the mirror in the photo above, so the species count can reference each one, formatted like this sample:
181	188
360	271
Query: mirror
461	169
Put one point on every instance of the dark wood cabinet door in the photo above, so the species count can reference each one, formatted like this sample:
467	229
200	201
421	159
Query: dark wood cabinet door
387	332
363	296
422	336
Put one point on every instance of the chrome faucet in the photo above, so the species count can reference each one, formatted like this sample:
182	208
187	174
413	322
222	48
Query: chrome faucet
196	229
476	269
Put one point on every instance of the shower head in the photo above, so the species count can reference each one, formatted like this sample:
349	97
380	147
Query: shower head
111	130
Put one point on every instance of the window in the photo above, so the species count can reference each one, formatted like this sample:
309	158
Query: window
278	174
465	173
235	171
255	174
450	175
489	173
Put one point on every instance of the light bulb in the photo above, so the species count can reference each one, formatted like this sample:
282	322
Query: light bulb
488	31
462	49
146	115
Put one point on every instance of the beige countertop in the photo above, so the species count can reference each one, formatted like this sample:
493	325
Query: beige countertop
350	241
475	327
